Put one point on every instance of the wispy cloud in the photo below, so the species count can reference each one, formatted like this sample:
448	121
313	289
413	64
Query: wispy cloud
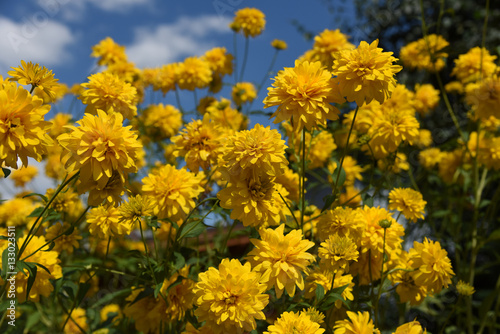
170	42
46	42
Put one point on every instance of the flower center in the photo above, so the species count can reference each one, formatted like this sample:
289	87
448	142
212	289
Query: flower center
229	298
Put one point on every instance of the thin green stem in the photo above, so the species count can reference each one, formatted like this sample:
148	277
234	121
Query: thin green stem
266	75
346	148
289	209
226	239
303	178
382	279
178	98
245	57
235	58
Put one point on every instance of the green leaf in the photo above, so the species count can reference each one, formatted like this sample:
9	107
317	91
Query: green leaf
320	292
32	269
82	291
179	260
33	319
440	213
6	172
368	201
69	230
109	297
43	197
157	289
43	267
36	212
192	229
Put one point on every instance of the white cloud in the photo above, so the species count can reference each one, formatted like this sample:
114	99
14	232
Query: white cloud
33	39
74	10
170	42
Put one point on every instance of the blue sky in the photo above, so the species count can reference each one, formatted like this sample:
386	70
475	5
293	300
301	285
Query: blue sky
59	33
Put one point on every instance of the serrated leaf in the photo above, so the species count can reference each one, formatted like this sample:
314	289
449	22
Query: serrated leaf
179	260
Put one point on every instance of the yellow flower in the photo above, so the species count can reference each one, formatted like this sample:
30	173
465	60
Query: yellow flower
426	98
106	221
454	87
365	73
323	276
341	221
290	181
409	202
319	148
448	165
252	201
281	259
15	212
180	297
484	97
358	323
278	44
172	191
136	207
108	52
22	127
36	76
24	175
101	149
352	170
424	138
199	143
220	62
111	311
406	288
162	121
49	259
327	43
230	298
474	65
394	163
336	252
78	320
107	91
429	157
63	242
432	265
168	76
304	95
59	122
223	114
291	322
465	289
373	237
412	327
259	151
426	53
243	92
193	73
250	21
148	312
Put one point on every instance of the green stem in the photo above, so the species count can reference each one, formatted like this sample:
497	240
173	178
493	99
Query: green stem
303	178
289	209
30	233
178	99
382	279
226	239
245	57
346	148
266	75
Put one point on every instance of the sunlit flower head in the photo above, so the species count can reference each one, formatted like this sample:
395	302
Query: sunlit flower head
148	312
304	94
336	252
56	93
179	297
34	75
167	77
484	97
281	259
341	221
250	21
226	116
59	122
16	211
352	170
23	131
172	191
108	52
468	66
426	53
77	321
105	222
162	121
252	201
230	298
100	148
136	207
111	311
243	92
373	236
291	322
220	62
412	327
105	91
323	276
194	72
409	202
259	151
429	157
407	289
326	44
433	267
199	143
358	323
448	165
365	73
290	181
